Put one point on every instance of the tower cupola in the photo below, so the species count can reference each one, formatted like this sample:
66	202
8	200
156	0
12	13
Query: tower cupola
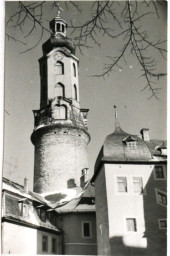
58	26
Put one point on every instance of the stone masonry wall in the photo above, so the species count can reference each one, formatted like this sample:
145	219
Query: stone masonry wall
60	155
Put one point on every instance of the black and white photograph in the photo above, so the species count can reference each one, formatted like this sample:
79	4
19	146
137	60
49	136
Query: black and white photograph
84	128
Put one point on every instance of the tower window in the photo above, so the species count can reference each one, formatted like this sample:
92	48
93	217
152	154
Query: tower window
60	113
122	184
86	228
59	90
58	26
137	185
63	28
131	225
74	69
59	68
75	92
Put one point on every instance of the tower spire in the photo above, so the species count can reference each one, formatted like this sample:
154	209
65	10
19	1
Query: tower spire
117	125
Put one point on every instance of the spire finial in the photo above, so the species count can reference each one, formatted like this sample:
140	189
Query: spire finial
59	9
116	117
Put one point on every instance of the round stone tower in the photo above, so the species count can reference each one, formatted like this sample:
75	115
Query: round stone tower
60	133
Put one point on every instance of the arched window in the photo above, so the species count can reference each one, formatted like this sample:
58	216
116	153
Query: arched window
59	68
74	69
75	92
59	90
60	112
58	26
62	28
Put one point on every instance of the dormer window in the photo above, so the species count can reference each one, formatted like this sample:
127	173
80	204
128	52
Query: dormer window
131	142
23	206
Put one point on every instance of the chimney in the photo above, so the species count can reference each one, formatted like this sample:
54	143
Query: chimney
84	177
145	134
26	185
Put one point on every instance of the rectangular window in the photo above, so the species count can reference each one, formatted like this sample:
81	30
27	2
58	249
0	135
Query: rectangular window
162	199
137	185
131	224
87	229
54	245
45	244
162	223
159	173
122	184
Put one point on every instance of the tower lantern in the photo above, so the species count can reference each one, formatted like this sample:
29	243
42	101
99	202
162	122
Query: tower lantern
58	26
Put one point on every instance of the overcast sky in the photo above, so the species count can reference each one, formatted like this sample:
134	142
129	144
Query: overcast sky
122	88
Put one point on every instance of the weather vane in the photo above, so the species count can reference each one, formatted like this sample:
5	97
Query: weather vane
59	9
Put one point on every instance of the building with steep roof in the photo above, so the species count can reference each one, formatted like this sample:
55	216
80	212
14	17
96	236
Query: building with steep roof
58	217
131	194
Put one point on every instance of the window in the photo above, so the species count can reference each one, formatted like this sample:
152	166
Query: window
161	197
54	245
137	185
122	184
59	90
75	92
45	244
131	144
24	208
59	68
162	223
131	225
86	229
63	28
60	113
74	69
58	26
159	172
43	215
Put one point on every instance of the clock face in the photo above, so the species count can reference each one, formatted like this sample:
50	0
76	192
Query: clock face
58	56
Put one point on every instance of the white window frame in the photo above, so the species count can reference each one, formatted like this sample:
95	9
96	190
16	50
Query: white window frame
144	189
116	184
159	223
164	173
125	224
157	199
90	228
131	144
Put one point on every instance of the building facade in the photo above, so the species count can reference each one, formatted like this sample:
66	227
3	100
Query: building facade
131	195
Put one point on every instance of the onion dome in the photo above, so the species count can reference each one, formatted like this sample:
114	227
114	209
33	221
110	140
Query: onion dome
58	29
